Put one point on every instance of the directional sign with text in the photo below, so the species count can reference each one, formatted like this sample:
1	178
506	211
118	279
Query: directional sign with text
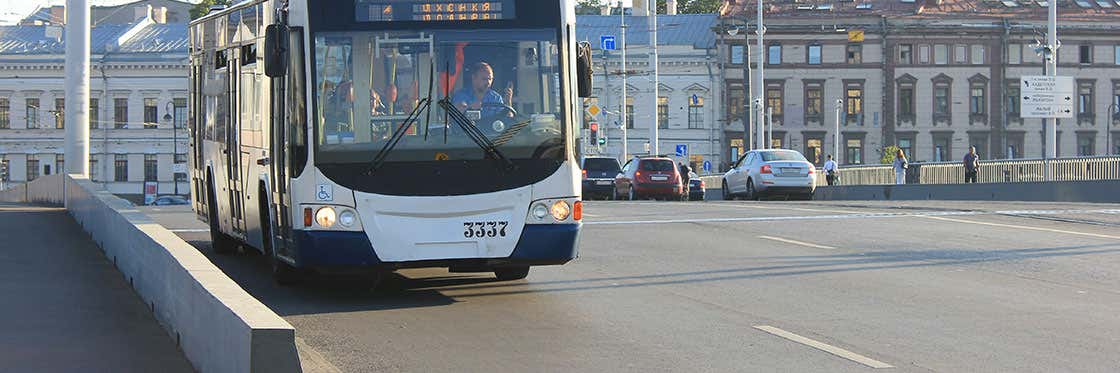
1046	97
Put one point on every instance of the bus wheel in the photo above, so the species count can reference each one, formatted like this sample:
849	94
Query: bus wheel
221	243
511	273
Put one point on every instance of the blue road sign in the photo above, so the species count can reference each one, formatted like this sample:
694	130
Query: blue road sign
682	150
606	42
707	166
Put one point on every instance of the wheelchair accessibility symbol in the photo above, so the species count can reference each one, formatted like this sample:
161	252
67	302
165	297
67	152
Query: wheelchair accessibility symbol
324	193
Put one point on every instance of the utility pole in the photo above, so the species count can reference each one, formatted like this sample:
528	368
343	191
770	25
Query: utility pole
1051	70
653	140
77	87
622	104
761	31
769	141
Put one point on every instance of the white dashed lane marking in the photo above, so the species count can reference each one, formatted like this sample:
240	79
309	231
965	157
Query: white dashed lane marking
853	216
825	347
786	240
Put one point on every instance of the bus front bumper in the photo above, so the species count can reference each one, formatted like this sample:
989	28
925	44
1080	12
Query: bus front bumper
328	251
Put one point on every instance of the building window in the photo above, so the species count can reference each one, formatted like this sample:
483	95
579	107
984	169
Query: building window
854	155
978	55
814	55
736	54
977	100
59	113
120	167
814	100
1085	54
1116	54
940	54
906	101
813	148
774	54
1015	145
32	112
774	99
905	54
32	167
979	141
1014	54
735	102
94	113
662	112
853	104
179	115
180	177
1086	144
151	167
93	171
855	53
696	112
1085	98
59	163
629	113
941	97
906	144
923	54
120	113
5	114
1013	99
960	54
151	113
941	147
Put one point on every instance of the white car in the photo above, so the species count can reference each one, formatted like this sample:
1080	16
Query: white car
770	172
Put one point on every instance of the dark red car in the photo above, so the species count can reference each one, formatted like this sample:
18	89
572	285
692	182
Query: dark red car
650	177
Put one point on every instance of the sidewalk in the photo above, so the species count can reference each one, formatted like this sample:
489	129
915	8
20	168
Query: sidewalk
66	308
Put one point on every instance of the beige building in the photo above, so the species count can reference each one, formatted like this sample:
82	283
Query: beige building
138	104
932	77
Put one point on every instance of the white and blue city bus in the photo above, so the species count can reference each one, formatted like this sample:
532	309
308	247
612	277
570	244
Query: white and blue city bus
371	135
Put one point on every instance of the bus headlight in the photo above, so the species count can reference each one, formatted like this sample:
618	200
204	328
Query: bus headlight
347	218
561	210
325	217
540	211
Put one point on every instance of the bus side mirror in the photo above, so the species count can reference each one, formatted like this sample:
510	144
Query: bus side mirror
276	51
583	69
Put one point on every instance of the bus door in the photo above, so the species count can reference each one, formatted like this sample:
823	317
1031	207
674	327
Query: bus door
232	150
279	150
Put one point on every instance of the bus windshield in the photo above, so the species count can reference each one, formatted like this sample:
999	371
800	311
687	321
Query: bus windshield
369	83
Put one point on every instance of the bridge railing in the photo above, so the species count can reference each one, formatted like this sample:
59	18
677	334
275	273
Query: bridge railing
993	171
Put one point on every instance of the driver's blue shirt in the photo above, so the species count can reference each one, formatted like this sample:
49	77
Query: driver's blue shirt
466	95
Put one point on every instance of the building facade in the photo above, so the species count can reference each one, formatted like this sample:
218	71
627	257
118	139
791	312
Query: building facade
686	105
932	77
138	104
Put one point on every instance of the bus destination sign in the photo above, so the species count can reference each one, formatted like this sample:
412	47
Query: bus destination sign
432	11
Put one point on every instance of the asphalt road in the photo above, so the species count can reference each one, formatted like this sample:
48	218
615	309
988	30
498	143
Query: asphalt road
743	286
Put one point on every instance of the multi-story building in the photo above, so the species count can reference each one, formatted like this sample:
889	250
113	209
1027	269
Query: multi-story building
686	107
931	77
138	103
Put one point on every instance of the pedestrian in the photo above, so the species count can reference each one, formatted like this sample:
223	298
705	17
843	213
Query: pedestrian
971	165
684	171
900	166
830	170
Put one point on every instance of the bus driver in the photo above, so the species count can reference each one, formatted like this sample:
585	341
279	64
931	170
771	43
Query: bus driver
479	93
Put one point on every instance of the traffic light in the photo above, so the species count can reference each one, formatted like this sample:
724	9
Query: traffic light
3	171
594	137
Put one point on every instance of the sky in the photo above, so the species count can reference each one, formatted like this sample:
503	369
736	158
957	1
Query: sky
12	11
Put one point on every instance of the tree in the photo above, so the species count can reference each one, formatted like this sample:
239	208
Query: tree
588	7
691	6
203	7
888	154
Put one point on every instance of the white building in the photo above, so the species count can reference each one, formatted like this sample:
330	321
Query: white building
688	94
138	103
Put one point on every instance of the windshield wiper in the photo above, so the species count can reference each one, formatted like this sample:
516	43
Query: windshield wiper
398	134
421	106
473	132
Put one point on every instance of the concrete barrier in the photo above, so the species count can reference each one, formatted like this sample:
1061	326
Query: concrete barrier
1101	191
218	326
47	189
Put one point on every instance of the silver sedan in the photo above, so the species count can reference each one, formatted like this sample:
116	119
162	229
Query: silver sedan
770	172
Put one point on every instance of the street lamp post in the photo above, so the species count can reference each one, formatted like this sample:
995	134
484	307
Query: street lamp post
167	117
836	131
748	92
